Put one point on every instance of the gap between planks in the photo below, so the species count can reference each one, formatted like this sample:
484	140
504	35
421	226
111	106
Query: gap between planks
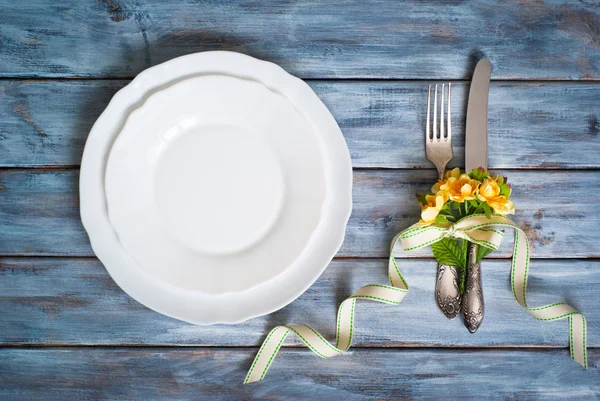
70	167
291	346
342	79
338	258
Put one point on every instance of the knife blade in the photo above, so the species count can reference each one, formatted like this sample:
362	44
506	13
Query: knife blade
476	154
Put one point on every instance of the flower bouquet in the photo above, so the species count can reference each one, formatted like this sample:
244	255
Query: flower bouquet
453	198
459	195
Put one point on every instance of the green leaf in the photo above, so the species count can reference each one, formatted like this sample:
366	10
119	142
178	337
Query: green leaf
505	190
462	271
440	219
486	210
479	174
482	252
448	252
446	213
421	199
464	247
479	207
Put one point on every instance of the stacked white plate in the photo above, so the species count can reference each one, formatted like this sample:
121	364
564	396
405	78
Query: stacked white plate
215	187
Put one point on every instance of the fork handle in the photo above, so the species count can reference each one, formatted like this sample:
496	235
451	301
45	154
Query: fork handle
440	170
447	292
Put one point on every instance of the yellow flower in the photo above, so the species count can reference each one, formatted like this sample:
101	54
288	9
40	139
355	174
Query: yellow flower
489	191
450	173
459	187
434	204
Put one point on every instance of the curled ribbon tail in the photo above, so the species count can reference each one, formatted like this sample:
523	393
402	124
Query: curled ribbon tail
555	311
389	294
478	229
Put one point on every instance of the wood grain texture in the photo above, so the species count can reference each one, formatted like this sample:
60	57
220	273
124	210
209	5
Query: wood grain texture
45	123
54	301
312	39
39	212
217	374
547	134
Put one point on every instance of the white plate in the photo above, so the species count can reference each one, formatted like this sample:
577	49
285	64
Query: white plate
215	184
195	306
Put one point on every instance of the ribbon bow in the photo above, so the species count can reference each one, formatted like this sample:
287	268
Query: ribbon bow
475	228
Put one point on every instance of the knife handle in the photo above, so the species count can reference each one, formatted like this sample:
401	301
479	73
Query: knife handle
472	302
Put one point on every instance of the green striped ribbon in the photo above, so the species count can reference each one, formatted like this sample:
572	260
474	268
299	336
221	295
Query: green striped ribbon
477	229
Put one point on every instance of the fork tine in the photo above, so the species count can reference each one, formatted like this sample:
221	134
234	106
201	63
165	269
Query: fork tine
428	130
435	131
449	115
442	128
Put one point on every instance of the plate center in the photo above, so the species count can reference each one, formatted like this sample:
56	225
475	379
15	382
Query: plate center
218	188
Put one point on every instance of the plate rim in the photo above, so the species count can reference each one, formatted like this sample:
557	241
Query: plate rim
183	304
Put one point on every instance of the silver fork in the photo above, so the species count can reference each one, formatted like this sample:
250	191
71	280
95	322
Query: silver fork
438	149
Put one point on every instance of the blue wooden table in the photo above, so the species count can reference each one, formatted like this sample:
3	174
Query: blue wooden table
68	332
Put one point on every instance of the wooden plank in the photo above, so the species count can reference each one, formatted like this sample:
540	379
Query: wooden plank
312	39
39	212
54	301
46	123
531	125
217	374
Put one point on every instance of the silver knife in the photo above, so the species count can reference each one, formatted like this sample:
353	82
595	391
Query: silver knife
476	131
476	155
